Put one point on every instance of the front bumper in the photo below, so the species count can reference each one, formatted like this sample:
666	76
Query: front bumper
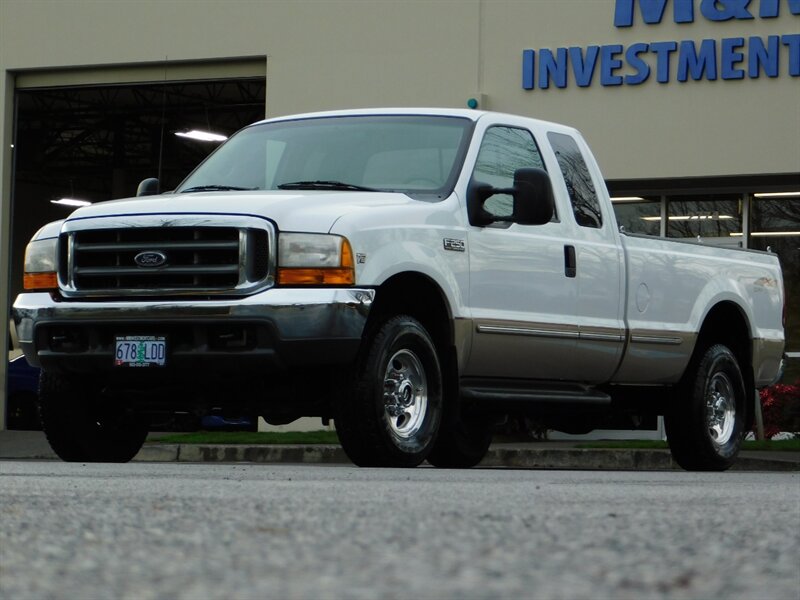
277	329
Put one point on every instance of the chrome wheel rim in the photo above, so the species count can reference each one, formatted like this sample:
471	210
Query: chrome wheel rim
720	409
405	394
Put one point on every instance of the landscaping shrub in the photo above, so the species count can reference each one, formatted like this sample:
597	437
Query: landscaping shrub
780	406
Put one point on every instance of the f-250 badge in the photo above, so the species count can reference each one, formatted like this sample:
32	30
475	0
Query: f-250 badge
454	245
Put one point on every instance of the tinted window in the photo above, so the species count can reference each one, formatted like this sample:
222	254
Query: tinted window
714	217
643	217
503	151
582	194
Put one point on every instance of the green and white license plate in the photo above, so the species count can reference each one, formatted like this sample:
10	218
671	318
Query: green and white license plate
140	351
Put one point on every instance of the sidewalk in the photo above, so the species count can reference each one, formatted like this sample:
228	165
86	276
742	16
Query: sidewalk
539	455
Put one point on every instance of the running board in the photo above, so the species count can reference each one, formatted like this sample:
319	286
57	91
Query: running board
520	394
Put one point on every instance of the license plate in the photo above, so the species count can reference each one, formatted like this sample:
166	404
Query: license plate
140	351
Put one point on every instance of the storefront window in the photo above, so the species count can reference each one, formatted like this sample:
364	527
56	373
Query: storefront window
638	214
717	219
776	225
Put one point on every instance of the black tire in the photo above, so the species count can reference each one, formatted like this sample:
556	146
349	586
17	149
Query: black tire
462	442
390	412
21	413
705	424
82	428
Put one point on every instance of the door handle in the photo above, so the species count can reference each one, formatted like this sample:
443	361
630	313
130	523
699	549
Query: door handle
570	263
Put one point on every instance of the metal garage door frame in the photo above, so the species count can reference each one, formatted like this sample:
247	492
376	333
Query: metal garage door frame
165	71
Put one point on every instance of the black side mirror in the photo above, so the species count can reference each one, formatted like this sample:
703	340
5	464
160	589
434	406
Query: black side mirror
148	187
533	197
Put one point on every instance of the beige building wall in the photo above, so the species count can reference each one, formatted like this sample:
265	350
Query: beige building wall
357	53
653	130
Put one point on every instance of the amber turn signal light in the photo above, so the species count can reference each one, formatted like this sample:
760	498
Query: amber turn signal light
40	281
342	276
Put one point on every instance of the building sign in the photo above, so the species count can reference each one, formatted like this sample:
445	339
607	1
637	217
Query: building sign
710	59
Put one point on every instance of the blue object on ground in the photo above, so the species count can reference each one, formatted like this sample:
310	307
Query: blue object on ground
23	387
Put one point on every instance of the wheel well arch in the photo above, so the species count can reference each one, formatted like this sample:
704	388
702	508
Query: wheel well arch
726	323
418	296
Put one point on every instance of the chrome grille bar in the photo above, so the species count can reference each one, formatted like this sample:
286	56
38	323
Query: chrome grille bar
195	255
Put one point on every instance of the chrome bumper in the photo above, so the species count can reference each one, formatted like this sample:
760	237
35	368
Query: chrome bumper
296	317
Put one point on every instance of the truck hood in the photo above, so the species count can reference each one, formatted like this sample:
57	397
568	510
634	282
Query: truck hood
311	211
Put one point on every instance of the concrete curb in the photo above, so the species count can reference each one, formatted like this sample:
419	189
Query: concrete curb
231	453
523	457
32	445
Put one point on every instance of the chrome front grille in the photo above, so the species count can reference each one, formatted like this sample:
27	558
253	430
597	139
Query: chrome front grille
167	258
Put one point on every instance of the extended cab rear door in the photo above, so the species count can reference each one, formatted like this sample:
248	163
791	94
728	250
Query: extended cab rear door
597	262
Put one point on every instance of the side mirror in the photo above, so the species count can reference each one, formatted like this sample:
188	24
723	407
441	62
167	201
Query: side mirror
533	197
148	187
532	194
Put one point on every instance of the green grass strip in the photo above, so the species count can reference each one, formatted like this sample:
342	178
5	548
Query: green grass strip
249	437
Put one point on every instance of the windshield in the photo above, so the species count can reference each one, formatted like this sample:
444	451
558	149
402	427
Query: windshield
418	155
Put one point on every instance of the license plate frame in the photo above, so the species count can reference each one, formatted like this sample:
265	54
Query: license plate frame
140	351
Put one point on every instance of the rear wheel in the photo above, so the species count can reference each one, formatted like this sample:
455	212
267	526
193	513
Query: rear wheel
389	416
705	425
83	427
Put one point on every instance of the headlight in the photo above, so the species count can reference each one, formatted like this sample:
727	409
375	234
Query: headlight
315	259
40	265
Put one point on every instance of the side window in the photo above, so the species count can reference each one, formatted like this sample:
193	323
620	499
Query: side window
503	151
582	194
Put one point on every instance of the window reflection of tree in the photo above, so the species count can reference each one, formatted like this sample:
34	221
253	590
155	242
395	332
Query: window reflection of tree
503	151
707	218
776	215
578	180
632	215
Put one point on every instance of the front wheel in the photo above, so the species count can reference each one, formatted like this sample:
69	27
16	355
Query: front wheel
83	427
389	415
705	425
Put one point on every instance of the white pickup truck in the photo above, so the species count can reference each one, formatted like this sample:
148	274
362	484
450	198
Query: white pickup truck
414	274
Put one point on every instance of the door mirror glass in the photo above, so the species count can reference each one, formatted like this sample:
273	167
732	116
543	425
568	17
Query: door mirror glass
533	197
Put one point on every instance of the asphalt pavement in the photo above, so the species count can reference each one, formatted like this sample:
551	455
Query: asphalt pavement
535	455
148	531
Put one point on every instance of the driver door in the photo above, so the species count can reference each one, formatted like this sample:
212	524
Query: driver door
522	301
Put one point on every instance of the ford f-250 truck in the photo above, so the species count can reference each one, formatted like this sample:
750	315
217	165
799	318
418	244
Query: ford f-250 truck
416	275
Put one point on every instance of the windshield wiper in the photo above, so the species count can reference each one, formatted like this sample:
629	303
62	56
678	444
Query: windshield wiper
325	185
215	188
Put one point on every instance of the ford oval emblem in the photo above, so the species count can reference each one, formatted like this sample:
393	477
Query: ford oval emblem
150	258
